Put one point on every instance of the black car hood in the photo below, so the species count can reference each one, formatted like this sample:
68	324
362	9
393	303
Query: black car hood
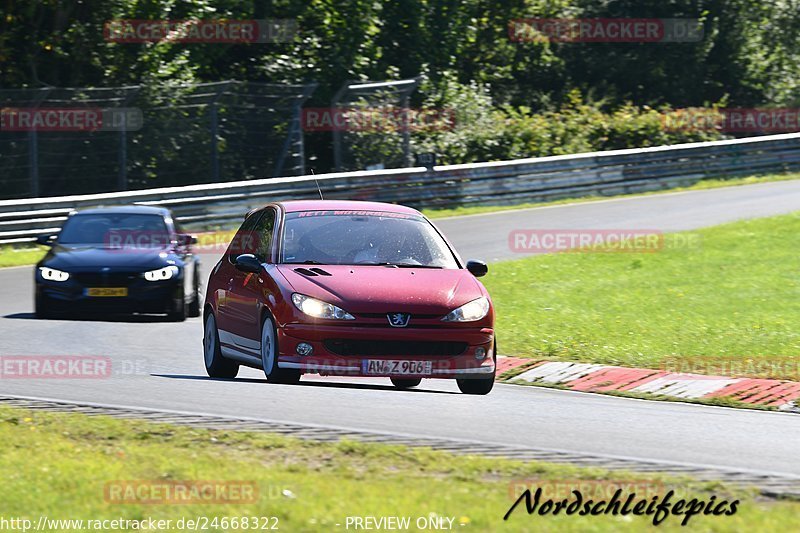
67	257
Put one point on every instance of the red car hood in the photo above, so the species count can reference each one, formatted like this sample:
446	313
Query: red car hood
376	289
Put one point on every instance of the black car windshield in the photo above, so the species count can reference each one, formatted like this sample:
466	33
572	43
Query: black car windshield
115	230
363	238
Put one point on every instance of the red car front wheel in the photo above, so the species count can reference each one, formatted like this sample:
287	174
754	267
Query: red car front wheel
407	383
269	356
479	385
216	365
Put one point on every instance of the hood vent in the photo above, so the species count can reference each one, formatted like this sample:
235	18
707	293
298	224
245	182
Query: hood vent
311	272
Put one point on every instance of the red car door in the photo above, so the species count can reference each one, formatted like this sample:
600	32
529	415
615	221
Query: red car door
228	324
242	321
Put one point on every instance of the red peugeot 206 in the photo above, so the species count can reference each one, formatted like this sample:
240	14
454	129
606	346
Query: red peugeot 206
348	288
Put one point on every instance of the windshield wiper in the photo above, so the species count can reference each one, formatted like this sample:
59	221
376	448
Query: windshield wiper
306	262
395	265
408	265
374	263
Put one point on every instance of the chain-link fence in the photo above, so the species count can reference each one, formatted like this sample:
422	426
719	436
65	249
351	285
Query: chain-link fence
56	141
376	132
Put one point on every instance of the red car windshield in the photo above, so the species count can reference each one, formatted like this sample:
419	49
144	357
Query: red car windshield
363	238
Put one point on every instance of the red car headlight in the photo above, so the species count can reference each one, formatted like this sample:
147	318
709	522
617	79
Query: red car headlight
319	309
469	312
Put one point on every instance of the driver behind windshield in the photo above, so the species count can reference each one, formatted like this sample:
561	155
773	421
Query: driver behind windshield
388	244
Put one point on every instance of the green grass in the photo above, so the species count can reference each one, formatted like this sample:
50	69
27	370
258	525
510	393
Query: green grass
734	297
58	465
20	255
700	185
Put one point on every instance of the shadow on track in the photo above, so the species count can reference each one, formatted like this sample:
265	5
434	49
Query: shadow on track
322	384
133	319
206	378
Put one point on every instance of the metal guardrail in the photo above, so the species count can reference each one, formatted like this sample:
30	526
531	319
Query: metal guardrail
496	183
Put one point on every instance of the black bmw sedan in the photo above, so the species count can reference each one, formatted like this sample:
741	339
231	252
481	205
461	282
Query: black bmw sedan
118	260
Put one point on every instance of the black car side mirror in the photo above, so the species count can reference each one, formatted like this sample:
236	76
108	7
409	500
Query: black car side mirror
247	263
477	268
186	240
45	240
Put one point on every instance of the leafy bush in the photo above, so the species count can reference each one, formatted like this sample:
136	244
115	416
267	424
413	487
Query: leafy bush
486	133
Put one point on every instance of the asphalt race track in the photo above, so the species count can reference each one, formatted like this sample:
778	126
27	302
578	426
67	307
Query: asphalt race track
159	365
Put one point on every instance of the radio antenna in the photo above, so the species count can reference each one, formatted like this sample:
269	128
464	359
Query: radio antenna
317	182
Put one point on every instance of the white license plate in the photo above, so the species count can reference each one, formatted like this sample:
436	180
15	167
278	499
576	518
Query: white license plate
385	367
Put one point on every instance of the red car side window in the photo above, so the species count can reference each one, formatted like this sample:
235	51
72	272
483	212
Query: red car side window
262	235
242	242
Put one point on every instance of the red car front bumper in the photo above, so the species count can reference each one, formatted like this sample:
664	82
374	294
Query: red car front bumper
347	350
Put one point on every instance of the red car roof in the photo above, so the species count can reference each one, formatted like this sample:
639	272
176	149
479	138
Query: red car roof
323	205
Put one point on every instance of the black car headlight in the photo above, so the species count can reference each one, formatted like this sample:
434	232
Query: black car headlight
162	274
51	274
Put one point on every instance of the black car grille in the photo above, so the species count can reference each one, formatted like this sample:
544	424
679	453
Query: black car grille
111	279
359	348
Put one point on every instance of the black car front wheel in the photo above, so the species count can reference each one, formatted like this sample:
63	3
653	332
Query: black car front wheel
42	308
178	313
193	309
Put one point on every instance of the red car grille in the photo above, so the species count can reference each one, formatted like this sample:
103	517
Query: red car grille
360	348
383	316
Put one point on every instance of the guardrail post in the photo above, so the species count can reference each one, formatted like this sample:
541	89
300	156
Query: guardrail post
295	134
122	177
214	117
33	161
214	147
407	160
301	148
122	183
294	123
33	145
337	135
